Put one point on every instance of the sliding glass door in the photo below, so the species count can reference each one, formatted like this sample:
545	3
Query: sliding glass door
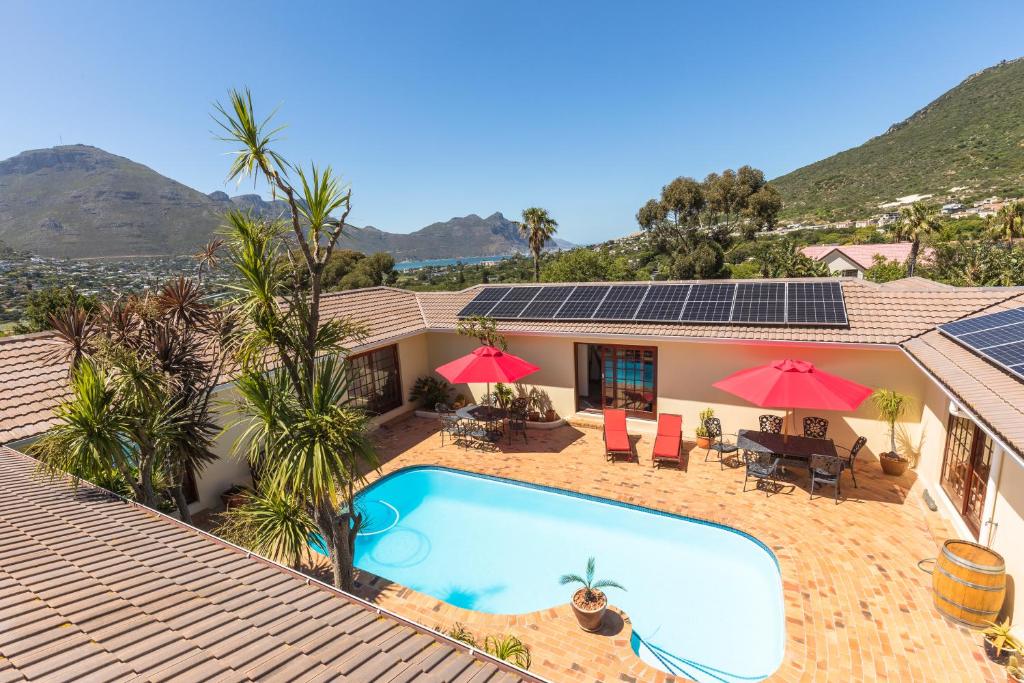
628	379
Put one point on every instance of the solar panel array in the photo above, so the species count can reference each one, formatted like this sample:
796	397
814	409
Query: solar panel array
748	303
997	337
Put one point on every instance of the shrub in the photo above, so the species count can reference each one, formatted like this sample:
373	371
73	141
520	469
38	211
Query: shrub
428	391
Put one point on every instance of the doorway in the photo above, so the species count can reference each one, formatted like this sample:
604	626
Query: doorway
965	468
617	376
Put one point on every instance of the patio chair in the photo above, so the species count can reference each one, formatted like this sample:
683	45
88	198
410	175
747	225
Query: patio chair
616	439
449	421
517	413
815	427
771	424
826	470
668	444
716	437
853	451
764	467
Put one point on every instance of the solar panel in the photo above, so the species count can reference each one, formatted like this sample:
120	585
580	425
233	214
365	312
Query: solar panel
709	303
663	303
541	310
508	309
997	337
476	308
554	293
522	294
815	303
582	303
492	294
621	302
760	302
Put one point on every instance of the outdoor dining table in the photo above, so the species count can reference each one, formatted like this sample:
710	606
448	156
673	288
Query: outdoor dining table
489	415
791	447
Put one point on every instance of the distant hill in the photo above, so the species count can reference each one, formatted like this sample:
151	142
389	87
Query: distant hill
971	137
77	201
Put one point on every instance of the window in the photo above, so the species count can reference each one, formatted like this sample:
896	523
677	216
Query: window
375	384
965	468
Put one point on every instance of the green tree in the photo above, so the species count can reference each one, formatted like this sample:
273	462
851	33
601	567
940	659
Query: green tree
783	258
372	271
42	305
577	265
703	260
883	270
537	227
341	263
300	431
1008	223
916	221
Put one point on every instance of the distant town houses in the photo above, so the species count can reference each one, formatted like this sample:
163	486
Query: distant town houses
853	260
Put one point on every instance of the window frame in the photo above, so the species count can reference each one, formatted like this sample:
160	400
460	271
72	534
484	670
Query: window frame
357	375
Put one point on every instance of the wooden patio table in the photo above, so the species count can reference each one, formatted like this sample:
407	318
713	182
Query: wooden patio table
792	446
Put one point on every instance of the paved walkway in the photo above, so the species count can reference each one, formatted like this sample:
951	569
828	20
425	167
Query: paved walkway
857	607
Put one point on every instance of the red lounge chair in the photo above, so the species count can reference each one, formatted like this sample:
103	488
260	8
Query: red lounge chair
616	440
668	445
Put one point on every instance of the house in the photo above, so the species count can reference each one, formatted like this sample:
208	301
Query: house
888	218
952	208
965	424
851	260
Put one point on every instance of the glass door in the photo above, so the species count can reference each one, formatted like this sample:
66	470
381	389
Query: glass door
965	469
628	379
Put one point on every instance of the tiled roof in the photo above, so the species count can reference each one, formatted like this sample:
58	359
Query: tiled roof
994	396
877	314
864	254
96	588
31	386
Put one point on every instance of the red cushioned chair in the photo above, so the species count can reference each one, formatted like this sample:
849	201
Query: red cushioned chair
616	439
668	445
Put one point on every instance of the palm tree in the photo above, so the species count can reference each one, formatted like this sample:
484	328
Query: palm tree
300	431
916	221
1008	223
537	228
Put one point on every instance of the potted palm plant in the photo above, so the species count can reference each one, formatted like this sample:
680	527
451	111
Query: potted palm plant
589	603
999	642
891	405
703	440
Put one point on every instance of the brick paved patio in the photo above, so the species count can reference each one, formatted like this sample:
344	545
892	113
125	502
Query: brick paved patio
857	606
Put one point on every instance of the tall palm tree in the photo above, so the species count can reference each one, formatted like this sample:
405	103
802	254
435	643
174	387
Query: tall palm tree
537	227
916	221
308	442
1008	222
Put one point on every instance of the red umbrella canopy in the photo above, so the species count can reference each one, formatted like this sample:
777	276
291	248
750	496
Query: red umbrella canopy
486	364
794	384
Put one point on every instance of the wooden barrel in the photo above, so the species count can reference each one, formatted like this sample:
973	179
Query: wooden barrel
969	583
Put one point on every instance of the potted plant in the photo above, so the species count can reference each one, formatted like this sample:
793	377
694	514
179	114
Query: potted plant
428	391
540	405
503	395
703	440
890	406
999	642
589	603
459	402
1015	669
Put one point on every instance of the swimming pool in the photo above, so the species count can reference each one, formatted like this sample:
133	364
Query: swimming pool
705	601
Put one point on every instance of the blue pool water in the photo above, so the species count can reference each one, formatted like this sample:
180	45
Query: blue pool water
705	601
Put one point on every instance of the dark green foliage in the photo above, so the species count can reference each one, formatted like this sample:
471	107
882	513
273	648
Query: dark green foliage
348	269
977	264
703	260
882	270
782	258
44	303
428	391
969	137
584	265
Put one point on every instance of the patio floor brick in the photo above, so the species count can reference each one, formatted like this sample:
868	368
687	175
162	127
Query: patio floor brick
857	606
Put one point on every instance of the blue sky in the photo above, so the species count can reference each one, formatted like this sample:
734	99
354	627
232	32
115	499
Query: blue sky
433	110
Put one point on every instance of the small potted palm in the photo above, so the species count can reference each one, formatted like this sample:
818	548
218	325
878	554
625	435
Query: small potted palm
891	405
1000	643
589	603
703	440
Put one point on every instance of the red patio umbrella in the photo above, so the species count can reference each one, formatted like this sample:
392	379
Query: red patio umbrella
792	384
486	364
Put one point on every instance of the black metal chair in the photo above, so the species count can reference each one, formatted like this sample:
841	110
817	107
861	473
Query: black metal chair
815	427
449	421
771	424
713	426
826	470
763	467
853	451
517	413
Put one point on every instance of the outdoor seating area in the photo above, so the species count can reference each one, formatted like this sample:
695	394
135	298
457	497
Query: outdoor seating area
848	608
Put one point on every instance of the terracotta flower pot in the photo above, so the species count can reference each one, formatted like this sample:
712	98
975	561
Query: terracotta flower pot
893	466
590	614
703	442
550	415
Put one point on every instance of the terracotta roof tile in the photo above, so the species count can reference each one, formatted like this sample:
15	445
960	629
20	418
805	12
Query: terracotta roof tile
864	254
84	577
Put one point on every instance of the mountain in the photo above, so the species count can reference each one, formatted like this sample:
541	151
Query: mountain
967	143
464	236
77	201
